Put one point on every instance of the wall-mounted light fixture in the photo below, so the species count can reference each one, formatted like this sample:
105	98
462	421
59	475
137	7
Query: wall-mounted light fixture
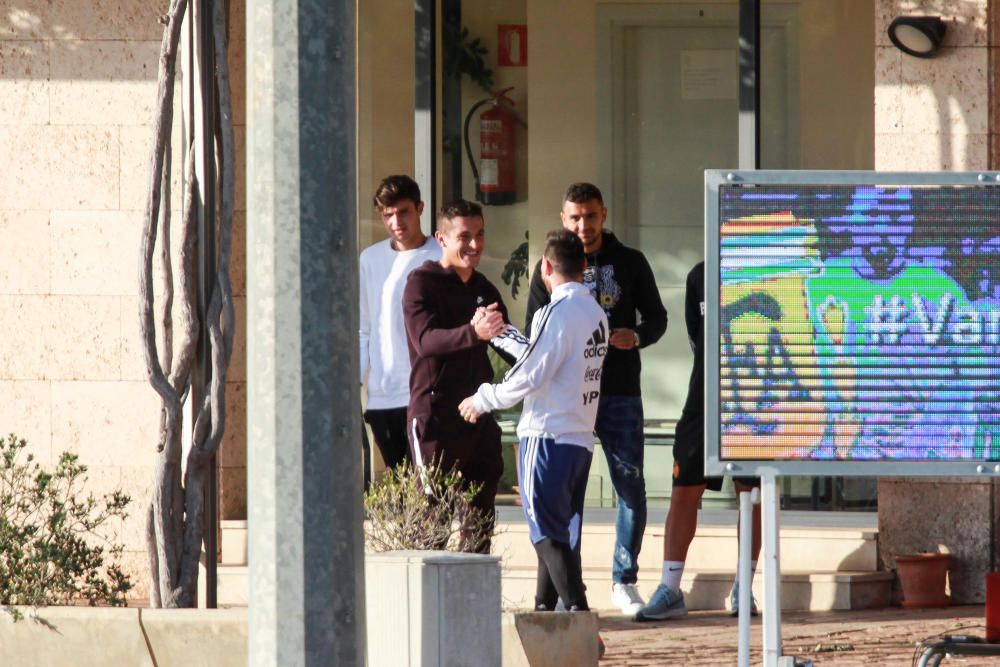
918	36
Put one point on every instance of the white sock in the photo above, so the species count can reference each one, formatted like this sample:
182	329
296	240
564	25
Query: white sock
673	570
753	570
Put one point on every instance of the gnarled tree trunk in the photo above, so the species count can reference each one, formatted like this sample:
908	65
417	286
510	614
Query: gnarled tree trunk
175	526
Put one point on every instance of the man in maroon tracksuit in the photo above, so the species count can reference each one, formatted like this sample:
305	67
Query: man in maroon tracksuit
452	312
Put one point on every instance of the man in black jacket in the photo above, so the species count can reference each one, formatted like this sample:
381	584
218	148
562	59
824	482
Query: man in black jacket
622	282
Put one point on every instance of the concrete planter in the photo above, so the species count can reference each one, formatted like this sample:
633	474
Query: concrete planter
439	608
550	639
433	608
101	636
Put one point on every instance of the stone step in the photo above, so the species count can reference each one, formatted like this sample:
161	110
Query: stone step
231	572
233	544
800	591
812	591
233	586
715	547
823	567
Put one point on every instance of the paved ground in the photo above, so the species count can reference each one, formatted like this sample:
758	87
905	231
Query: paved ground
869	638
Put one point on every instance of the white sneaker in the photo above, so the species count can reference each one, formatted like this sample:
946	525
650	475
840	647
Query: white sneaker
734	602
626	597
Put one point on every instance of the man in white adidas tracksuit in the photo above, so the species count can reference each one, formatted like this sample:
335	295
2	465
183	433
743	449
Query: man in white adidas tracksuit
559	378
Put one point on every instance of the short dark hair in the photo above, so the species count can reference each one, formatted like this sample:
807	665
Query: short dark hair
459	208
564	250
579	193
394	189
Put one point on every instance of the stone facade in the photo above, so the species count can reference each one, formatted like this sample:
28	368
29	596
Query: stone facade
933	114
232	452
77	86
77	90
938	114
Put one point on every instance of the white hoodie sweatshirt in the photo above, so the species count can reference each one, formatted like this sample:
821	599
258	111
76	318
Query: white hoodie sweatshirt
559	374
385	358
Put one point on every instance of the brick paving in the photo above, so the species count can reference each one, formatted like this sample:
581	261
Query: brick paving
870	638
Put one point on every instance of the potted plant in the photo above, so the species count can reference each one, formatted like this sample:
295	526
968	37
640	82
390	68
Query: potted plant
922	577
428	600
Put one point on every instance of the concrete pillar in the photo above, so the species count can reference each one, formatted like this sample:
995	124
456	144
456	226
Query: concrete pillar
936	115
928	514
304	497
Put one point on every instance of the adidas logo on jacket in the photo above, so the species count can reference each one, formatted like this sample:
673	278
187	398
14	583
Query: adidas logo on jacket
559	374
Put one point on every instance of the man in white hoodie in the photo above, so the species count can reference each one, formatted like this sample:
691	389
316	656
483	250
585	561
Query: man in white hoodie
385	359
559	378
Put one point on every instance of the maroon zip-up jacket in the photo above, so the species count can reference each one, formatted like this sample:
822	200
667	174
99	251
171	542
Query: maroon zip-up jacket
448	362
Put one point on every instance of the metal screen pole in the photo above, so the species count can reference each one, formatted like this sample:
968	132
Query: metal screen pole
749	158
749	84
748	127
207	267
425	111
771	525
745	590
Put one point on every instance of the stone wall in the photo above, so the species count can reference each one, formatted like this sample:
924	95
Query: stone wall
937	115
77	89
232	453
933	114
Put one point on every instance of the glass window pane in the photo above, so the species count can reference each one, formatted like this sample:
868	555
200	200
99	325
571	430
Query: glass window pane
639	99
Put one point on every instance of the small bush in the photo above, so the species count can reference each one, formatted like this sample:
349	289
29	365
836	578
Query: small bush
54	546
407	510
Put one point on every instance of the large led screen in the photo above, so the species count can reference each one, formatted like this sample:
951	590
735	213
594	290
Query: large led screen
858	322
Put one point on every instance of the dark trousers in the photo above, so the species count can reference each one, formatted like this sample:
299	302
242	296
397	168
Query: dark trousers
389	431
471	449
559	576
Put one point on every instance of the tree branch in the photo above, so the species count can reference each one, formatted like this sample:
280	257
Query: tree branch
167	268
159	520
181	376
162	124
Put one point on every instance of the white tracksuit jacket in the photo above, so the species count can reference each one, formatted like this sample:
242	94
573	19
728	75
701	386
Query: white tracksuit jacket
559	374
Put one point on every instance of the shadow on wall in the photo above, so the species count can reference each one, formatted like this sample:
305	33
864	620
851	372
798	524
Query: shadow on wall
936	106
80	22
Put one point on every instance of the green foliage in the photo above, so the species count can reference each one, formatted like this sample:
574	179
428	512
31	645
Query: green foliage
516	267
407	510
54	546
464	55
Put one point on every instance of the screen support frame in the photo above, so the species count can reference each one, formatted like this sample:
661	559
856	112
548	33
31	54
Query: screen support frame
714	464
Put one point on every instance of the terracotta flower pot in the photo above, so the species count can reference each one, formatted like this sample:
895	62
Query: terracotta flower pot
922	577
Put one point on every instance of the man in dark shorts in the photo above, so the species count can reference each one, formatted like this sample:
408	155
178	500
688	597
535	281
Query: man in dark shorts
452	312
689	481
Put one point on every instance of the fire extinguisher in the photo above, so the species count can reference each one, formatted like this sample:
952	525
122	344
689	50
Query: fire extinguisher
496	175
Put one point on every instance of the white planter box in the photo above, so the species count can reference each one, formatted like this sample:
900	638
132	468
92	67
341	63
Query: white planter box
429	608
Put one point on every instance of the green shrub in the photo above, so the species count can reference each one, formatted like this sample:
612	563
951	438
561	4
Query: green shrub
54	543
433	511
